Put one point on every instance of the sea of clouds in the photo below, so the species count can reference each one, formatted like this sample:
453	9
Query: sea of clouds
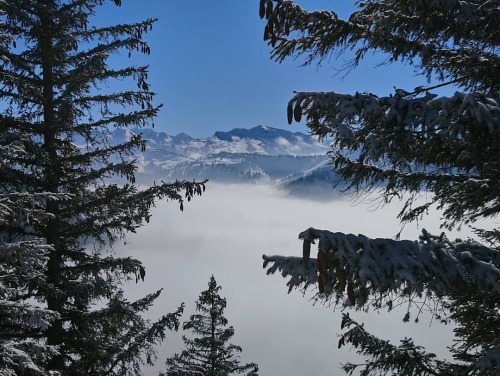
224	233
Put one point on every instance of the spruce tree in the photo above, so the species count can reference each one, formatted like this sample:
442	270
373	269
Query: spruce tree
209	353
22	266
60	216
400	145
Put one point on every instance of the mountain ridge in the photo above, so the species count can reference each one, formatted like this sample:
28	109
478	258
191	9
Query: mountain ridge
259	155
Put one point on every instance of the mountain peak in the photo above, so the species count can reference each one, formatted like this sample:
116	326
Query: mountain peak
182	137
261	139
259	154
258	132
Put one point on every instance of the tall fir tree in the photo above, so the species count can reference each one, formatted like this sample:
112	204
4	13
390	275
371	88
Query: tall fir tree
22	265
401	145
59	215
209	353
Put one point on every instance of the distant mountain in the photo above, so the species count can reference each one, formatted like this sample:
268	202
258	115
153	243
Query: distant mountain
257	155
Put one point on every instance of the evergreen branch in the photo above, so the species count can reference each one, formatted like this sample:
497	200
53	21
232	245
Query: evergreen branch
357	267
136	29
320	33
406	358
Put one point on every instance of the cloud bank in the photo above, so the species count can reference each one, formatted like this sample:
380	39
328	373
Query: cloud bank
224	233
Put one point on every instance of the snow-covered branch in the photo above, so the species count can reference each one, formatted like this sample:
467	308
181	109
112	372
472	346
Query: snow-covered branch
363	268
444	145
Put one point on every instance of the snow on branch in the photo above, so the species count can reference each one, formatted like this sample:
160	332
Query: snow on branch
412	142
22	271
451	114
19	358
409	32
301	273
361	267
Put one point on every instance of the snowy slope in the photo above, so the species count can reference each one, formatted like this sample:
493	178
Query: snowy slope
257	155
257	140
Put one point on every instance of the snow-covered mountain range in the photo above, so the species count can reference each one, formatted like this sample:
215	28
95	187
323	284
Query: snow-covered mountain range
292	160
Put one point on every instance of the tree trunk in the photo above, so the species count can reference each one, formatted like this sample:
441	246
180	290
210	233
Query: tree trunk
55	302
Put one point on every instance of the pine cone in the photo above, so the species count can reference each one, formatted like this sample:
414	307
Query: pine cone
341	275
297	113
323	267
350	294
306	250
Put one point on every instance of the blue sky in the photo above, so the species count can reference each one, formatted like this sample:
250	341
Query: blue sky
212	70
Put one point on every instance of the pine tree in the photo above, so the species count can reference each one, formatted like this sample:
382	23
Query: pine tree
209	353
22	265
59	214
403	144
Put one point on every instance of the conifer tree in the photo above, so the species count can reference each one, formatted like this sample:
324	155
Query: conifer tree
59	215
22	265
209	353
401	145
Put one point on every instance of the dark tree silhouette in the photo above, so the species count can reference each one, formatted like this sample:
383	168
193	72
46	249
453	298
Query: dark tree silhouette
209	353
59	212
403	145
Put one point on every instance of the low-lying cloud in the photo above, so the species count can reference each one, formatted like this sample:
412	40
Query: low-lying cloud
224	233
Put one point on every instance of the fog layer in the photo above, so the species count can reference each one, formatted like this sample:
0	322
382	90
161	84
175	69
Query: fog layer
224	233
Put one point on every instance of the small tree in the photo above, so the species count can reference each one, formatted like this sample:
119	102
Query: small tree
401	145
59	214
209	353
